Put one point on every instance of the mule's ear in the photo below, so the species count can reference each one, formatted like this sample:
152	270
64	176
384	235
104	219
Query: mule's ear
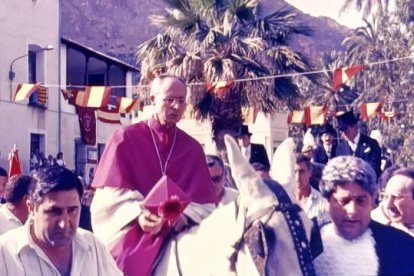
246	178
283	165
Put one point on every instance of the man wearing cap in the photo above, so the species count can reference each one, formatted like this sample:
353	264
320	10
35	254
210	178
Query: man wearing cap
252	152
327	149
356	143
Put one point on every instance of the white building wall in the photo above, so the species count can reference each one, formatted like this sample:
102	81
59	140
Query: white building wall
23	23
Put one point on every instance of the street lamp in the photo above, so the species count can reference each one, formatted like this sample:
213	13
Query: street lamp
12	74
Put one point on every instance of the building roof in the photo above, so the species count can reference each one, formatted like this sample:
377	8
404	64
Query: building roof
99	55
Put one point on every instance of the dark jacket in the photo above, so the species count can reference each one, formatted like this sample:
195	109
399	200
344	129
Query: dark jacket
367	149
394	248
320	155
258	154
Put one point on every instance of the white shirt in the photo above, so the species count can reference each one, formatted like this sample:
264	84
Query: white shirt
354	144
229	195
8	220
247	151
19	255
317	206
345	257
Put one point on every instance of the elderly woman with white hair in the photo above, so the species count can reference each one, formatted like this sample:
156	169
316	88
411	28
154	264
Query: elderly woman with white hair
353	244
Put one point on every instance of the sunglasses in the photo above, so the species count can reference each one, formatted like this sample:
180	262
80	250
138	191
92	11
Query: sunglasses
216	179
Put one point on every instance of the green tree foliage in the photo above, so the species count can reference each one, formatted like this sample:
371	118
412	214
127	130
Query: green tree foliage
206	41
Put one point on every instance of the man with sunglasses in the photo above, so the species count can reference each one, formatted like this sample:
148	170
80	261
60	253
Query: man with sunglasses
353	243
216	169
358	144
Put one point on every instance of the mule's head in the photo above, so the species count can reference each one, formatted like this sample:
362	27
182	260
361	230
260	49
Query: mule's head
266	237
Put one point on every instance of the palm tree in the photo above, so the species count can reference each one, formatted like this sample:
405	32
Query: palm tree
207	41
367	6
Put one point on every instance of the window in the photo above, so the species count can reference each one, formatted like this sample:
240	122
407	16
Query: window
39	97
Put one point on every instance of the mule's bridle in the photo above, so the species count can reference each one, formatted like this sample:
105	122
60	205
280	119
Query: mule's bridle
290	212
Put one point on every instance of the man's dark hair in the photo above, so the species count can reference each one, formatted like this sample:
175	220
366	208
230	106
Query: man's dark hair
258	166
407	173
300	158
214	159
51	179
16	188
3	172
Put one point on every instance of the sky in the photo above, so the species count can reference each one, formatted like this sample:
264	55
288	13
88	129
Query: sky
330	8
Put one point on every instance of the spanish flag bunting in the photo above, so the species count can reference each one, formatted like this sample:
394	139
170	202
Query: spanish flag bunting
125	105
96	96
315	115
14	162
387	115
249	114
368	110
107	115
296	117
76	98
23	91
341	75
219	87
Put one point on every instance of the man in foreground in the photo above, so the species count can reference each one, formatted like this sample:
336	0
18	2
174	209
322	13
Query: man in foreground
135	159
50	242
353	244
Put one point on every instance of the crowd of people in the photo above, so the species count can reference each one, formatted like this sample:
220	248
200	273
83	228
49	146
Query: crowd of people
366	228
38	160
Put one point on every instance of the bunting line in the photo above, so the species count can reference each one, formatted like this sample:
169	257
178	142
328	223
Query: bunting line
243	79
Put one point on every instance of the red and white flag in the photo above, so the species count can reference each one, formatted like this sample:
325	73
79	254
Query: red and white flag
124	105
368	110
219	87
15	167
95	96
296	117
24	90
315	115
109	116
341	75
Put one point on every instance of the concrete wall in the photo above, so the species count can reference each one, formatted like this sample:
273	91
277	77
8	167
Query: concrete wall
25	23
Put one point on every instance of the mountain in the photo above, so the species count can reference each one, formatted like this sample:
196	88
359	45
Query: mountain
116	27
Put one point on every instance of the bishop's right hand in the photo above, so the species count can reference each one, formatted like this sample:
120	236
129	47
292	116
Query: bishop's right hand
150	223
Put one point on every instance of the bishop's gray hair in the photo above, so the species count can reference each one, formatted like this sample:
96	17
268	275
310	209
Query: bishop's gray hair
348	169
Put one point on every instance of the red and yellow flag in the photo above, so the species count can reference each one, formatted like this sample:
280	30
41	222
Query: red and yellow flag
96	96
24	90
249	114
341	75
368	110
109	116
125	105
219	87
296	117
315	115
42	95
